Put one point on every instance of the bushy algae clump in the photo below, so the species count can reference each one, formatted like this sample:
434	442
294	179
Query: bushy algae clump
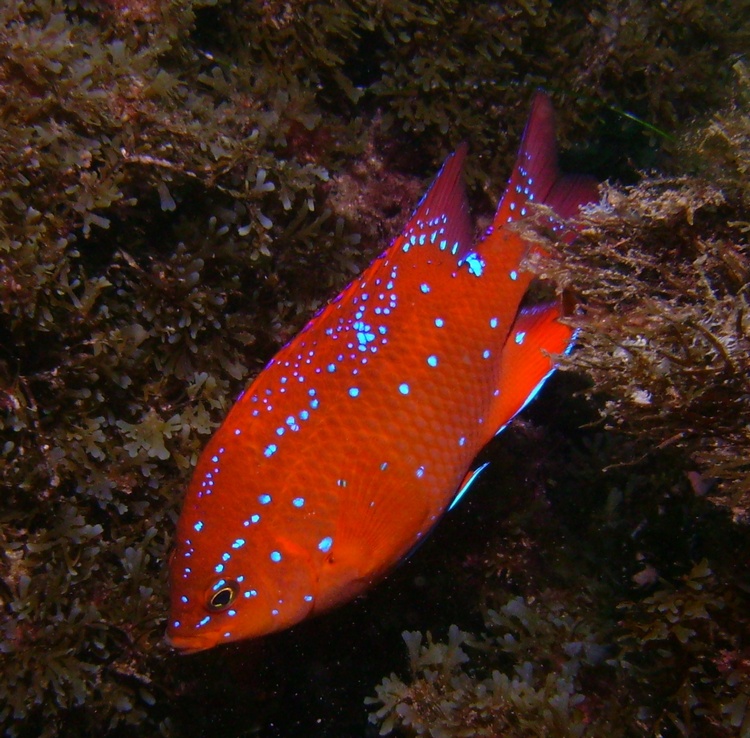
182	182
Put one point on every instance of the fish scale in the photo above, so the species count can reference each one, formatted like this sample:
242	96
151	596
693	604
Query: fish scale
351	443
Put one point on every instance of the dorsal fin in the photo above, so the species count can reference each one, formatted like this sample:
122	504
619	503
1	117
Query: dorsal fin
442	217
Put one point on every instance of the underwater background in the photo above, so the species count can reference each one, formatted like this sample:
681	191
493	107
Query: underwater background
183	183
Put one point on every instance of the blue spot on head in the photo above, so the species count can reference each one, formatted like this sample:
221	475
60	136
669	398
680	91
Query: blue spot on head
439	322
514	275
425	288
275	556
325	544
239	543
198	526
270	450
403	388
486	354
520	336
264	499
353	391
493	323
432	360
219	568
308	598
298	501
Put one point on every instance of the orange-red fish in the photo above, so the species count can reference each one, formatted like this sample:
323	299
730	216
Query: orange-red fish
355	438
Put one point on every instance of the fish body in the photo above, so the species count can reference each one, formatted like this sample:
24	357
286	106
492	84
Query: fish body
355	438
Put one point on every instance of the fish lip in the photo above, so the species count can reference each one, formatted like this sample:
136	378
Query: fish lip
186	645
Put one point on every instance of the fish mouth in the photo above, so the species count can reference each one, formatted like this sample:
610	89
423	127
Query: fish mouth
189	644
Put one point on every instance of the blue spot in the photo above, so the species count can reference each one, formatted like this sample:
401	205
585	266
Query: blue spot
264	499
314	404
274	612
403	388
331	368
184	599
215	459
298	501
493	323
308	598
520	336
270	450
304	415
231	614
198	526
432	360
325	544
353	391
251	593
279	431
225	557
384	466
237	431
486	354
311	392
439	322
514	275
476	265
461	441
239	543
275	556
420	472
205	620
255	518
425	288
219	568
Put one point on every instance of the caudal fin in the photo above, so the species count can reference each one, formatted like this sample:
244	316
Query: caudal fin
526	362
536	176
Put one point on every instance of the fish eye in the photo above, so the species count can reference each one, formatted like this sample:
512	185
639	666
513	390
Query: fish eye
222	595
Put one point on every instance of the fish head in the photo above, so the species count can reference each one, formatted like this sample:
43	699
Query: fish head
230	578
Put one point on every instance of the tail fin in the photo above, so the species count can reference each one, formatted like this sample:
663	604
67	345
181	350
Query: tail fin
526	363
536	176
